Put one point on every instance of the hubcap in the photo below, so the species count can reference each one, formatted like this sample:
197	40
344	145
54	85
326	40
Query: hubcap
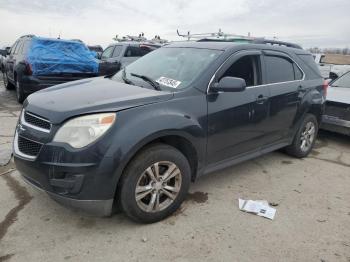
158	186
307	136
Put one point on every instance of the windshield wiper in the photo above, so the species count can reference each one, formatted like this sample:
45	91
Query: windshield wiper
125	79
149	80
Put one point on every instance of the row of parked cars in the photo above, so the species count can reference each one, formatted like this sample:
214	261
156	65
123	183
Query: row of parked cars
134	140
34	63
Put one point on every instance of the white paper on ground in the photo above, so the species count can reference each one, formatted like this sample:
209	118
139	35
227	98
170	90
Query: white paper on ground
258	207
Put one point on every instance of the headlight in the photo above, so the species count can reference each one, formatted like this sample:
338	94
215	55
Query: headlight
82	131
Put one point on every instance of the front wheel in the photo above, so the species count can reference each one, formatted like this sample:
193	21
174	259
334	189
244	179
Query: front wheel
154	184
305	138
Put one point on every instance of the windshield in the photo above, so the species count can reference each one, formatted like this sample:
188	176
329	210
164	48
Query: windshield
173	68
343	81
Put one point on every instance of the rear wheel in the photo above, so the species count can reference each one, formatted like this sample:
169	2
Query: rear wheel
154	184
305	138
19	92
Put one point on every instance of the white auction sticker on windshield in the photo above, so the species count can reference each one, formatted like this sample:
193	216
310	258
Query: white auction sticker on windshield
168	82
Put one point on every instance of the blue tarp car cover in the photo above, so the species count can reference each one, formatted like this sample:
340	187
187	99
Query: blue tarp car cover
52	56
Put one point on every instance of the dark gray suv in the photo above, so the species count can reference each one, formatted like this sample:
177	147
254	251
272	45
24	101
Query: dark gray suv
136	140
124	53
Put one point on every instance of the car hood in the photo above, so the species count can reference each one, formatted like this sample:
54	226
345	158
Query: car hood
338	94
90	96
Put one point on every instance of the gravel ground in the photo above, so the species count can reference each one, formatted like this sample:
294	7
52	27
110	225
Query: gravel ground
312	222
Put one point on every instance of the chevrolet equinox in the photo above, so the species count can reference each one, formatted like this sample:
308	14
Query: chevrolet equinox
136	140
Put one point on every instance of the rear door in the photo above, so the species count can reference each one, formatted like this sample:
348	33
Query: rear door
284	78
236	120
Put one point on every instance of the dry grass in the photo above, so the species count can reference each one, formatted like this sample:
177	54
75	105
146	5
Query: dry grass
337	59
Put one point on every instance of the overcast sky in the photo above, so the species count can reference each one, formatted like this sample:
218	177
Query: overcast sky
322	23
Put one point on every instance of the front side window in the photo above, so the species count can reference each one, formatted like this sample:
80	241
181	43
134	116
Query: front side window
343	81
247	68
172	68
279	69
107	53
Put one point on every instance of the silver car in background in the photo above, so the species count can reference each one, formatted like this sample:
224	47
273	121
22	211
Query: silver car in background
337	113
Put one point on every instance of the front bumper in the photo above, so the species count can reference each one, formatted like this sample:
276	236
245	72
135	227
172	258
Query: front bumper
101	208
335	124
84	179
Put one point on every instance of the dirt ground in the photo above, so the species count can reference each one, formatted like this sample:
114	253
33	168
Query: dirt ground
312	223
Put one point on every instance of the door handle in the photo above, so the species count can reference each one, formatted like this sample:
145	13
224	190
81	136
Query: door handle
261	99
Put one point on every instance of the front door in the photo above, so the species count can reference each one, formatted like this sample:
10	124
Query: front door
236	120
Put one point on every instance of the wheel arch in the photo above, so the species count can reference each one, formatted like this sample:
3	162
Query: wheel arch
175	139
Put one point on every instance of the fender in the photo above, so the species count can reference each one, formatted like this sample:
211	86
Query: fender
142	125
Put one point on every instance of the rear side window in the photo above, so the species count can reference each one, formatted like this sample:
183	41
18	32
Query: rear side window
279	69
20	47
297	72
310	62
26	46
13	48
132	51
144	50
117	50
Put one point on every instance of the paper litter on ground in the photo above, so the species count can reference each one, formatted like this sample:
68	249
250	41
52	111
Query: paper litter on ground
258	207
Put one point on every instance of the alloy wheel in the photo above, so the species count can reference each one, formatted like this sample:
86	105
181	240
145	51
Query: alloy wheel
307	136
158	186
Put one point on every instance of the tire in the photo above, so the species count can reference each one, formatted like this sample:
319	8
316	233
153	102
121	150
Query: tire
19	92
305	138
136	176
7	83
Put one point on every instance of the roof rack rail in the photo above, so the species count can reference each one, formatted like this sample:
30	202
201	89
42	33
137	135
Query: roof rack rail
221	36
141	38
138	38
275	42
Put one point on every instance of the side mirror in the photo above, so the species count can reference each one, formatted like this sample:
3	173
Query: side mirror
230	84
99	55
3	52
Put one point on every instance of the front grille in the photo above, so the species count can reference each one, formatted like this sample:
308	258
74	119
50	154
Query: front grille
37	121
28	147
